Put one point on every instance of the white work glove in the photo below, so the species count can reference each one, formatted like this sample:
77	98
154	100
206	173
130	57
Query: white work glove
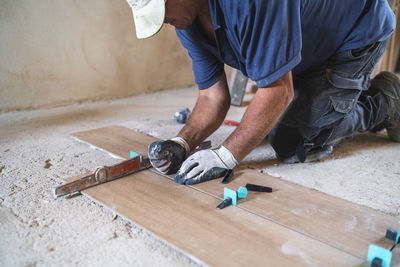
166	156
205	165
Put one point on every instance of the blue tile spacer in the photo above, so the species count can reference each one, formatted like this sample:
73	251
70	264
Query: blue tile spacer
242	192
228	193
377	252
133	154
397	238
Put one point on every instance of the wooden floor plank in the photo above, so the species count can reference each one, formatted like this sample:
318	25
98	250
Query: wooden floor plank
396	256
117	140
340	223
188	220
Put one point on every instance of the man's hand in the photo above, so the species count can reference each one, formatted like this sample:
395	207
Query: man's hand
166	156
205	165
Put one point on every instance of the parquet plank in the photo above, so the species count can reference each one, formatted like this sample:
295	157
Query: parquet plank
188	220
331	220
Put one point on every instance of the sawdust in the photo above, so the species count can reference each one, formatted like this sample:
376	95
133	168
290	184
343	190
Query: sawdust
351	224
290	248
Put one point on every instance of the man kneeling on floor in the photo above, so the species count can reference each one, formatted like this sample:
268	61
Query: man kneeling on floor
311	61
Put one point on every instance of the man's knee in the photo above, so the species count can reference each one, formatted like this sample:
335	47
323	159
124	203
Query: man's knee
284	140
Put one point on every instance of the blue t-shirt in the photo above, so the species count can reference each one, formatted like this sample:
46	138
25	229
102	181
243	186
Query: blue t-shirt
265	39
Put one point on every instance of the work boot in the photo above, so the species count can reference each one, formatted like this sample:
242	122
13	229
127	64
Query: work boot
389	84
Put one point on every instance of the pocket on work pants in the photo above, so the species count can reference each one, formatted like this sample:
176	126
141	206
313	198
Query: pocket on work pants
319	98
343	93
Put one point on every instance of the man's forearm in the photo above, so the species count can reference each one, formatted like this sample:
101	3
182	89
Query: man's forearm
208	114
262	114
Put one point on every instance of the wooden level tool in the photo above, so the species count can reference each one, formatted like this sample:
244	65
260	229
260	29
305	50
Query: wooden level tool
102	175
105	174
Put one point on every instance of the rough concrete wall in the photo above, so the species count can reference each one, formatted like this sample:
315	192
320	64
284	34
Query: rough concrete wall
55	52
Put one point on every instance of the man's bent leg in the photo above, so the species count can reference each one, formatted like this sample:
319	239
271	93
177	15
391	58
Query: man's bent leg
388	84
327	106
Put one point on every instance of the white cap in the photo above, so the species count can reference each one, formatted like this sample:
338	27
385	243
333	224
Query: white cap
148	15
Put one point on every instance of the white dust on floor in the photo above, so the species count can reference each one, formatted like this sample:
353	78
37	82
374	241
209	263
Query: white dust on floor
37	153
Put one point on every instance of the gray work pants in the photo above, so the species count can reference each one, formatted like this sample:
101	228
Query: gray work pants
331	102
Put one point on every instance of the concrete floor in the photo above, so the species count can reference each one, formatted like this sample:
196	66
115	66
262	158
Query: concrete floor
37	153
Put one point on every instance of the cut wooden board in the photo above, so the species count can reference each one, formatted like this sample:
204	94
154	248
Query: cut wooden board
339	223
188	220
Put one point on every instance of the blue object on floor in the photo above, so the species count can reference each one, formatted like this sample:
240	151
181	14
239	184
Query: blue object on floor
242	192
377	252
182	115
133	154
228	193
